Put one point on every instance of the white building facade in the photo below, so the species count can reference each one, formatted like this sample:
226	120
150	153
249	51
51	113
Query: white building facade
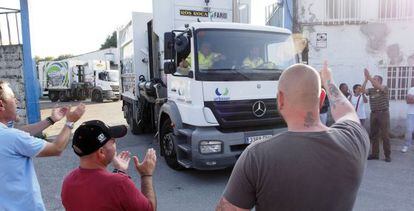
357	34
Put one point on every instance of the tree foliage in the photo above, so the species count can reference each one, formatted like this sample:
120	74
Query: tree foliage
110	41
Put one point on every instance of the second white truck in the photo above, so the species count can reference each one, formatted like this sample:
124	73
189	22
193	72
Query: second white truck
78	80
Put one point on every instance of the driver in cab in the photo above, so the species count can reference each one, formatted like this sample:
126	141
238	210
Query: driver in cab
207	58
253	60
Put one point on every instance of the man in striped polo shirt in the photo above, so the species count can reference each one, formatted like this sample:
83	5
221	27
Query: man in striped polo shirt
380	116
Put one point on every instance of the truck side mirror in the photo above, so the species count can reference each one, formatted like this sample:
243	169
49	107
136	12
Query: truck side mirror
170	67
182	44
169	45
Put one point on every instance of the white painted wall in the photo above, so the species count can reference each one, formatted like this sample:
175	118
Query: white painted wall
351	48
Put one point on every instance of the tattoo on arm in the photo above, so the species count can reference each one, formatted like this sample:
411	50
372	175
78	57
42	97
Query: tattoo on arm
309	120
335	96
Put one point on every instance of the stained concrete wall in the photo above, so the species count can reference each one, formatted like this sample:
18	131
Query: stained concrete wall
11	70
352	47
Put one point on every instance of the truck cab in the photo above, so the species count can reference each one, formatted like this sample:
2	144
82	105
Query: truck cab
224	94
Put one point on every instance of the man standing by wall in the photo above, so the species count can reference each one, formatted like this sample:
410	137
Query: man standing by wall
410	120
309	167
380	116
19	186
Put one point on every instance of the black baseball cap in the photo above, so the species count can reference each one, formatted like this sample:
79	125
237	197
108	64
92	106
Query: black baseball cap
92	135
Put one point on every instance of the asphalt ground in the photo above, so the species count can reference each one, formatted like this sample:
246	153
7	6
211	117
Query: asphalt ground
385	186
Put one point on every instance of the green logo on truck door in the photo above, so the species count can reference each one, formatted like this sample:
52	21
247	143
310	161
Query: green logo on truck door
57	74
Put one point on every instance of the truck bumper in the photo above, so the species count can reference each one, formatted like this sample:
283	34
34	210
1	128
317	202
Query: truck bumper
110	95
233	144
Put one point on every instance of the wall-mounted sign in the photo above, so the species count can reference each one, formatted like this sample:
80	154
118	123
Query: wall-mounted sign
321	40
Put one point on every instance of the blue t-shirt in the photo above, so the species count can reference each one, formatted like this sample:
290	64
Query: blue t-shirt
19	188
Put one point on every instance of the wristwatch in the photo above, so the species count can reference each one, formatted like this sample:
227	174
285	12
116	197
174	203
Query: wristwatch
69	124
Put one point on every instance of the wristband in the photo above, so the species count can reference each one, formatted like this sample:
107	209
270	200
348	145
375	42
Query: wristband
50	120
69	125
117	171
146	175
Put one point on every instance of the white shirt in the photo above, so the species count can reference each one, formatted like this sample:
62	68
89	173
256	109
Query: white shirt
410	107
360	110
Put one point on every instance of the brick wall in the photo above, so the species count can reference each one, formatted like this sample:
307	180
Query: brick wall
11	70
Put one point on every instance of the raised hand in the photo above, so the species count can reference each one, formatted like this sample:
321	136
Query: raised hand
366	74
121	161
326	73
58	113
147	166
75	115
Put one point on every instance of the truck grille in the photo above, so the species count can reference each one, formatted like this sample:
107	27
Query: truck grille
238	114
115	88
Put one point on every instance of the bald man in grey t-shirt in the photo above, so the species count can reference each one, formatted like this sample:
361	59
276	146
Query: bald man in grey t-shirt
309	167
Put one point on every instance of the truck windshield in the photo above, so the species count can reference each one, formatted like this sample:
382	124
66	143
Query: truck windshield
240	55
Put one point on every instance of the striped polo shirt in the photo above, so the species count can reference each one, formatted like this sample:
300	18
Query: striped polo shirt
378	100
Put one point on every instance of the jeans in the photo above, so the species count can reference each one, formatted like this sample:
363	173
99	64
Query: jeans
409	131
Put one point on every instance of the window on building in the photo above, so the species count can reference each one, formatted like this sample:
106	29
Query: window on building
343	9
399	80
393	9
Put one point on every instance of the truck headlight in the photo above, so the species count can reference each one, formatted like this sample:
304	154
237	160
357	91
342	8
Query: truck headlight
208	147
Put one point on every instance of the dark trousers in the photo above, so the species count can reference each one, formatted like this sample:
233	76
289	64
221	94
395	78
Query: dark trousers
380	127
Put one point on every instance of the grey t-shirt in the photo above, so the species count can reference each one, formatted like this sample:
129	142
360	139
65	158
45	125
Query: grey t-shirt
301	170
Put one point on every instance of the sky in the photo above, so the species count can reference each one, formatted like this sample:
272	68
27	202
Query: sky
79	26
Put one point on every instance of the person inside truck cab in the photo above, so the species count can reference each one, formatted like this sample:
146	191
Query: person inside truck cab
207	58
253	60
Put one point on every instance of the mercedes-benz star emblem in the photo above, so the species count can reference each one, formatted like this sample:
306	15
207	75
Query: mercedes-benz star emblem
259	108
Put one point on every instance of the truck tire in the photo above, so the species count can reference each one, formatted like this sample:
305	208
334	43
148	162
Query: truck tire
97	96
53	96
63	97
167	145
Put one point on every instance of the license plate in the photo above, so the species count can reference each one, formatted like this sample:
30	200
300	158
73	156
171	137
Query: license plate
252	139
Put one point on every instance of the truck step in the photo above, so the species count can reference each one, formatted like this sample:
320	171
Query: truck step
185	163
185	147
186	132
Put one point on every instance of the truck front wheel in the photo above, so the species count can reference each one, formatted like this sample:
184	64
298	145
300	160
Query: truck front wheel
97	96
168	146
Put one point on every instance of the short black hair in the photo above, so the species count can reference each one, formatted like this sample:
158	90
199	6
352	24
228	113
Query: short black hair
355	86
379	77
341	85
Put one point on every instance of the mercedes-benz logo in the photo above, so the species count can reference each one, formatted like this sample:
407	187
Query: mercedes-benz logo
259	108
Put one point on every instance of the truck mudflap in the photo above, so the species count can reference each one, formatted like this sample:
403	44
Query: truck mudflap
233	144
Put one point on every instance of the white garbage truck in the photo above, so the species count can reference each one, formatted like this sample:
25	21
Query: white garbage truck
78	80
207	86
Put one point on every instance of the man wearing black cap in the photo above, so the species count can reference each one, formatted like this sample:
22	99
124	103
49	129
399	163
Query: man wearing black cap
92	187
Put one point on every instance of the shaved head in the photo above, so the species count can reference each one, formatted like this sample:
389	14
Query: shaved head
301	87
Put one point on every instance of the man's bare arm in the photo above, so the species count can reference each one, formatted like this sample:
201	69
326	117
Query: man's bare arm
147	189
225	205
35	128
145	170
341	108
56	147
